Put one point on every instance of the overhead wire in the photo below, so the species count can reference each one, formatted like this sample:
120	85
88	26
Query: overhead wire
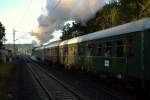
24	14
21	21
55	7
22	36
53	10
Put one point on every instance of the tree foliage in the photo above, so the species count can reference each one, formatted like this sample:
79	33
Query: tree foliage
2	34
145	8
115	13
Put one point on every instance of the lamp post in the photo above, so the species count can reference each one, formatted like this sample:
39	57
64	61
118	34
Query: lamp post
22	37
14	39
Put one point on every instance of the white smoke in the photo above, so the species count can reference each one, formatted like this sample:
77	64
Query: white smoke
58	11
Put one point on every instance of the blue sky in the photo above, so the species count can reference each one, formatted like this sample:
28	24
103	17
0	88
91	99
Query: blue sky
11	16
6	5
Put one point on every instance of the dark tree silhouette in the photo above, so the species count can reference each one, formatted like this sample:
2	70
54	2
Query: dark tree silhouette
115	13
2	34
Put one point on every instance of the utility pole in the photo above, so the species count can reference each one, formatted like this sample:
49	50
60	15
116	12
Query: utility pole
14	39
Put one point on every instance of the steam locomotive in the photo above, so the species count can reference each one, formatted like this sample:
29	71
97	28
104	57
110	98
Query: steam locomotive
122	52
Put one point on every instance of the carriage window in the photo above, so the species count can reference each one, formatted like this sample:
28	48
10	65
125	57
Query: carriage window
61	50
99	48
130	47
72	51
92	50
108	49
81	51
52	52
65	50
120	48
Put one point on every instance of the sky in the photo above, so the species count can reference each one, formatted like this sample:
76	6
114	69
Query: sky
20	15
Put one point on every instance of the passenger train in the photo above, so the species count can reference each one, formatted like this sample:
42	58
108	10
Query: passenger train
122	52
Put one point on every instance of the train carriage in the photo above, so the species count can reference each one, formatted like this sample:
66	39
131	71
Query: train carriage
38	52
121	51
52	52
48	53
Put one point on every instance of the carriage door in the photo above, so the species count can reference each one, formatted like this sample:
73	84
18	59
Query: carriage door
131	58
119	66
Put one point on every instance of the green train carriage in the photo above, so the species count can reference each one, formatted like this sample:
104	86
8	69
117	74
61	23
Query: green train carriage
52	52
121	51
38	52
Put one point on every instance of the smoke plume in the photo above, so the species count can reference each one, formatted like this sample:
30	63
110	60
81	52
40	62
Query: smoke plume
58	11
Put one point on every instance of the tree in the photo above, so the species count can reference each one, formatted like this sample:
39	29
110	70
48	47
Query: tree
2	34
145	8
66	32
115	13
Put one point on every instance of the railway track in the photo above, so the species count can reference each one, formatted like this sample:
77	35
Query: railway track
53	88
56	89
95	93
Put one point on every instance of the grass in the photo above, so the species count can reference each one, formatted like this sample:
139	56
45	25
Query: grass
5	81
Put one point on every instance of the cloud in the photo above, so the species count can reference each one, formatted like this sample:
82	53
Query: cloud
57	12
11	18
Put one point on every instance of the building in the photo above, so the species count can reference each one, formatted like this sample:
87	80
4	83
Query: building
20	48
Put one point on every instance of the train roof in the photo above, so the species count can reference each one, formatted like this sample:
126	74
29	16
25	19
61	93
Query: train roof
50	45
39	48
134	26
53	44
